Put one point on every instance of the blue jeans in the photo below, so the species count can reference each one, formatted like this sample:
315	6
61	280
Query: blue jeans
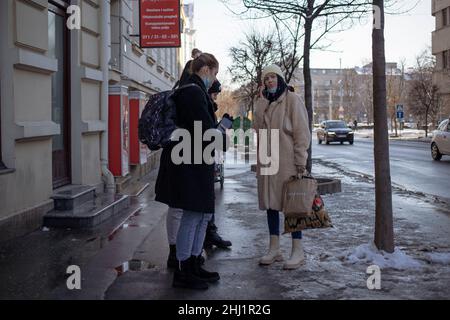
273	220
191	234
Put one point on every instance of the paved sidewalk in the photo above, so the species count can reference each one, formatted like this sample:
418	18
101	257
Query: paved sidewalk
421	229
130	263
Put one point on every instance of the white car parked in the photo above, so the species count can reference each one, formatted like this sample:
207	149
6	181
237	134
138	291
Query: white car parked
440	144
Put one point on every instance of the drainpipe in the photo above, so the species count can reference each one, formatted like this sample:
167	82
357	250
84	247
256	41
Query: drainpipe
107	176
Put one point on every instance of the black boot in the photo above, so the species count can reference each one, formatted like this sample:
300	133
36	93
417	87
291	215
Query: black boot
184	277
202	273
172	262
213	238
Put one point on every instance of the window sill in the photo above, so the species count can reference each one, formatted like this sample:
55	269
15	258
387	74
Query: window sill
6	171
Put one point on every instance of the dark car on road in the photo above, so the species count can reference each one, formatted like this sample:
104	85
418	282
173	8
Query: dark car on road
334	131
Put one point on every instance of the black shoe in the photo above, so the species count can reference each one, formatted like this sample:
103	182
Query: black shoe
184	277
202	273
172	262
213	238
211	227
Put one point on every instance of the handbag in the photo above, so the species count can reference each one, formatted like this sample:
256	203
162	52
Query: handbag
298	196
318	219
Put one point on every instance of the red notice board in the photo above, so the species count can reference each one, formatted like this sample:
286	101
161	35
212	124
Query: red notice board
159	23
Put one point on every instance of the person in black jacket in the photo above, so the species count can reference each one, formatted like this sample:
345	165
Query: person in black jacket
212	236
190	186
174	215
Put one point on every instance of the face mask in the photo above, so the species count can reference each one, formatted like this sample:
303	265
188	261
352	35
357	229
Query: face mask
207	83
272	90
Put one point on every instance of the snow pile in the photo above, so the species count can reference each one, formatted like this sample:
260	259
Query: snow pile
369	254
439	257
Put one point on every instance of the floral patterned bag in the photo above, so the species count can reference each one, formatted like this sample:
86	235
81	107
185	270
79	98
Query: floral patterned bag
319	218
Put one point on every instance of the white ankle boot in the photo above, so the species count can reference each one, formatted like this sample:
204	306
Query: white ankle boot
297	256
274	253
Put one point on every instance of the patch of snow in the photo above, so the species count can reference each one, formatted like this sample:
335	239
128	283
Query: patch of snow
45	229
369	254
439	257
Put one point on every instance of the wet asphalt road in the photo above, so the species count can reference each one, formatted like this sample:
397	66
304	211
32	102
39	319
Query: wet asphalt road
412	167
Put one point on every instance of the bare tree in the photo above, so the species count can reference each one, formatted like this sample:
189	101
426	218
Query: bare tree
396	92
384	229
289	36
227	103
366	96
326	14
249	58
423	95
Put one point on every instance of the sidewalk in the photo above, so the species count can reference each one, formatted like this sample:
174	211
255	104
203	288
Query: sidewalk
130	263
403	135
336	266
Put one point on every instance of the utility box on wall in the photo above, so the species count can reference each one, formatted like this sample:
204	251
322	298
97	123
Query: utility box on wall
138	151
118	131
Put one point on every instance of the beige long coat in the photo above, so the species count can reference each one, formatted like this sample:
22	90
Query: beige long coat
288	115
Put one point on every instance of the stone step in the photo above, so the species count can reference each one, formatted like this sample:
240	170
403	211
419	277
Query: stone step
72	196
135	188
89	214
123	182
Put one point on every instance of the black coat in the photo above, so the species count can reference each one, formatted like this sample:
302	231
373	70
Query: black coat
189	186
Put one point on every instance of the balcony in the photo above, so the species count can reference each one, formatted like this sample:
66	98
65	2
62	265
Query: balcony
442	79
440	40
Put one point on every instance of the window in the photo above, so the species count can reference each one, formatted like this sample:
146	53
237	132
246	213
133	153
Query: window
443	125
445	17
445	59
2	166
135	18
158	56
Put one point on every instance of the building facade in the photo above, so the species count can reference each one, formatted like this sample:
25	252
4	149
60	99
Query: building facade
59	115
441	50
346	94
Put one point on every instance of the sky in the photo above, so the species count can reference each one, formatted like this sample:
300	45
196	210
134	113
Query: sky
406	36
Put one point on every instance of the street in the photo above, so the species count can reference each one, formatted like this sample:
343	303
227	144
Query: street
411	165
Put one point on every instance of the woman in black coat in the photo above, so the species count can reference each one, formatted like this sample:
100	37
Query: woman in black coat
190	186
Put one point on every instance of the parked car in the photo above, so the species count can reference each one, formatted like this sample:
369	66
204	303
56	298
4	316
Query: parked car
440	143
334	131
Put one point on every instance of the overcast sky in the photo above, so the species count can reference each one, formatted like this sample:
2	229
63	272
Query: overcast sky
406	35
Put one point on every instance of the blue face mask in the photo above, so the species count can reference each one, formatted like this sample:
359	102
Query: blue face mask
207	83
272	90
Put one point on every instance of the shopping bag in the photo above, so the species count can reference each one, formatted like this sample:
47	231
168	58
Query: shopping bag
298	196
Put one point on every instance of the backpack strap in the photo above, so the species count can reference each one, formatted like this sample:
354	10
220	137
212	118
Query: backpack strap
189	85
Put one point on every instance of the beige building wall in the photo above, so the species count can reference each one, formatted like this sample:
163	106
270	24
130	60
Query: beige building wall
27	124
26	69
440	44
86	151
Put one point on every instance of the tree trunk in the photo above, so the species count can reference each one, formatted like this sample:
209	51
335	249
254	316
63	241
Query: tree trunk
384	231
426	123
308	83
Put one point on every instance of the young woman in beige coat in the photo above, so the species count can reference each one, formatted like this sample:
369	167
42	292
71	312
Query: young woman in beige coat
282	110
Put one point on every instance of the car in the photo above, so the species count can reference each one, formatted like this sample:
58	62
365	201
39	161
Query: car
334	131
440	143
